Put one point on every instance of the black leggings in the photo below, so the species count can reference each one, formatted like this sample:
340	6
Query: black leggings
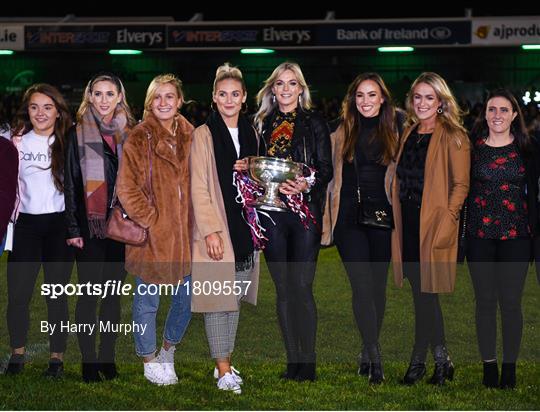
100	260
429	323
498	270
365	253
38	240
291	254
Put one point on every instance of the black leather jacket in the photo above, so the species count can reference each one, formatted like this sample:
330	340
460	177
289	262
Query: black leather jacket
310	145
76	220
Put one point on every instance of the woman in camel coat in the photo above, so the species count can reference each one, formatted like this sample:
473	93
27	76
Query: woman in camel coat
224	253
427	185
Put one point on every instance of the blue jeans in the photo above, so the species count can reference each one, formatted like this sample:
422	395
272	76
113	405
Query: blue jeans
145	307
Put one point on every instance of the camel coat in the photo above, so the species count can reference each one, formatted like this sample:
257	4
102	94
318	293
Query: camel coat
331	208
166	257
209	217
446	185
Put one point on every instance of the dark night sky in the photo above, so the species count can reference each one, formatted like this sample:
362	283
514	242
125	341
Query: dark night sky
268	9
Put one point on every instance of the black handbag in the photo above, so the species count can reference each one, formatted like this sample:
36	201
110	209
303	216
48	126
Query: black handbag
372	212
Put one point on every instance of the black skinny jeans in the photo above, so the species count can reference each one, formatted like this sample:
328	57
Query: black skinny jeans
291	254
38	240
365	253
100	260
429	323
498	270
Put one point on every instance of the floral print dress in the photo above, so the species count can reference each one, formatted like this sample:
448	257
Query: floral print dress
497	200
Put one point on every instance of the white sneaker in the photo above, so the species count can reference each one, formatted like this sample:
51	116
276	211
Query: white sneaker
166	358
228	383
234	372
154	372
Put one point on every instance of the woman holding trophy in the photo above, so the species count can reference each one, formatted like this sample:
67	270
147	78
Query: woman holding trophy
290	130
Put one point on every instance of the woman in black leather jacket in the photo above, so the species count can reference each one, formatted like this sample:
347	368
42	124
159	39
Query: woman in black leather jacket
94	150
291	130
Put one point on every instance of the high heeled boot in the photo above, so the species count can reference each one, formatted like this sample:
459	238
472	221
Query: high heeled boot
363	362
444	368
376	374
417	368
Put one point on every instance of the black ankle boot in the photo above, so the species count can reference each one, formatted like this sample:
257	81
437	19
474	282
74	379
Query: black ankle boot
290	373
363	362
416	370
306	372
90	372
15	364
376	375
444	368
55	369
108	370
491	374
508	376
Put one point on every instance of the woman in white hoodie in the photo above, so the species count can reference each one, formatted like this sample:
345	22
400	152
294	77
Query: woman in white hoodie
39	132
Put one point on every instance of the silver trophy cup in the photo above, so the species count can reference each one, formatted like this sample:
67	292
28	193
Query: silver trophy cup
270	172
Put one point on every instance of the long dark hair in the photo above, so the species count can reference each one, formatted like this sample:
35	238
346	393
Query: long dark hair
350	118
517	127
22	125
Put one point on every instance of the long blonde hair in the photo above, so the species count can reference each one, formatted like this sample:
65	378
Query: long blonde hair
451	116
153	86
267	103
105	77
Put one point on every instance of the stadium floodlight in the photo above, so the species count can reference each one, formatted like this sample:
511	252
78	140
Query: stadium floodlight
6	52
395	49
125	51
257	51
530	46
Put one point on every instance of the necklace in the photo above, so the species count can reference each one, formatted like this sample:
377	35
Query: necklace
421	137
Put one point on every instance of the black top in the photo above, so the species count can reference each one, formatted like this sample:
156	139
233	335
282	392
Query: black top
282	134
367	155
410	169
497	200
310	144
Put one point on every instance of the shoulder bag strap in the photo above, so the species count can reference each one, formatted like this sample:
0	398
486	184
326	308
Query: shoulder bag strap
114	199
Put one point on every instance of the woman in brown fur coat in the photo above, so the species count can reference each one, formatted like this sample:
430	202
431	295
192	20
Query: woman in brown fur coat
157	150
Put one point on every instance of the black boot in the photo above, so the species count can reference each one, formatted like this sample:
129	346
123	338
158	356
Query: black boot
444	368
417	368
90	372
55	369
376	375
363	362
108	370
292	370
306	372
491	374
15	364
508	376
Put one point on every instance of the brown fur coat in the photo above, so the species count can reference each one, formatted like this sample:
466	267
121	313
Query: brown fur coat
166	257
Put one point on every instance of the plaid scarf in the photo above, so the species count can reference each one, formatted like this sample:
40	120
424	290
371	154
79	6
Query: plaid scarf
91	156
